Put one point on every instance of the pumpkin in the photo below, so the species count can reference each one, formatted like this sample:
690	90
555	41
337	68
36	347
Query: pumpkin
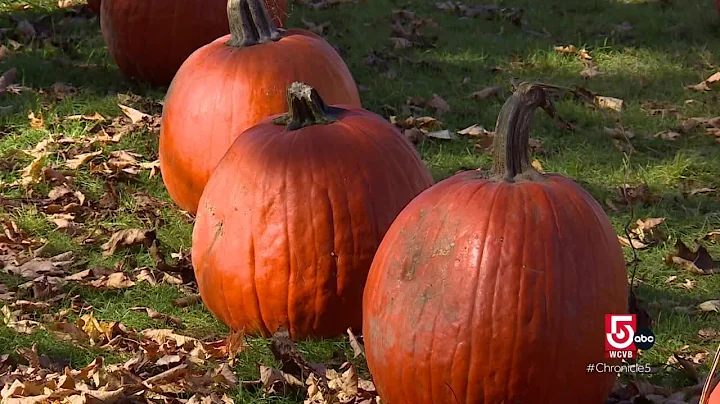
230	85
94	5
493	287
714	397
292	215
150	39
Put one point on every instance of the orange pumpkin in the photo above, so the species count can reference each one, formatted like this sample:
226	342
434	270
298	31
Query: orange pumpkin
150	39
231	84
292	215
492	288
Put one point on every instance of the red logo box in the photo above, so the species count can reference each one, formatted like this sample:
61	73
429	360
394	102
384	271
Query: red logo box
619	336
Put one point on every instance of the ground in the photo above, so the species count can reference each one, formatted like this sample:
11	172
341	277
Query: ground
643	52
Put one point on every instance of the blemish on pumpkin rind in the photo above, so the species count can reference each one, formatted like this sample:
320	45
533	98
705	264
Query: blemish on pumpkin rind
443	250
409	272
218	233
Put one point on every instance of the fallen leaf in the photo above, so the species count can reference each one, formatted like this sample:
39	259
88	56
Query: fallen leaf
156	315
710	305
705	85
134	115
698	261
81	159
36	122
634	243
127	238
355	344
438	104
708	334
187	301
442	134
613	103
486	93
116	280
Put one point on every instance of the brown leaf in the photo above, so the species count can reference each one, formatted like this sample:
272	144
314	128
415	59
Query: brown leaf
708	334
134	115
698	261
688	367
710	305
81	159
637	244
355	344
128	238
187	301
36	122
486	93
438	104
613	103
155	315
442	135
705	85
116	280
36	267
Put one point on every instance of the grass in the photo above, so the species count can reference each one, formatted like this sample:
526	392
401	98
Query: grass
670	44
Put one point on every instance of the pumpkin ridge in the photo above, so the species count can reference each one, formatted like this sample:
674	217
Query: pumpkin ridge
552	203
471	317
376	145
456	192
263	324
291	275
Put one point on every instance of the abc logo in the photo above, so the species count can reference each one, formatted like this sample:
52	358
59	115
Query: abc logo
644	338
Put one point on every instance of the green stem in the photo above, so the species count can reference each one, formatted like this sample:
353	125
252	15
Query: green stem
250	23
305	108
511	157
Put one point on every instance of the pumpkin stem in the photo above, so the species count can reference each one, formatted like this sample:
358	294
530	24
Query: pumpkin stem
250	23
511	161
305	108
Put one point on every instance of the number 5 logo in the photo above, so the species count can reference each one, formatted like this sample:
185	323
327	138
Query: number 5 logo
619	330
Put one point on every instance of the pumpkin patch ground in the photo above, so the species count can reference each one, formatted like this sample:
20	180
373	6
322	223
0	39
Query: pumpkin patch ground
98	297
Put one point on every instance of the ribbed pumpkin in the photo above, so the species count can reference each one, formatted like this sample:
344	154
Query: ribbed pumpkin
150	39
231	84
493	287
292	215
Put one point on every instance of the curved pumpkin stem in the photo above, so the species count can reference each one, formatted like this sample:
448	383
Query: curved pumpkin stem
305	108
511	160
250	23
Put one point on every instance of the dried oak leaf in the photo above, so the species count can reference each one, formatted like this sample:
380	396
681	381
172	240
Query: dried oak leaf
38	266
116	280
128	238
706	84
357	347
134	115
699	261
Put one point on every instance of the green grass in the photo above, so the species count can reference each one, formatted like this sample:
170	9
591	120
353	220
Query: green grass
671	44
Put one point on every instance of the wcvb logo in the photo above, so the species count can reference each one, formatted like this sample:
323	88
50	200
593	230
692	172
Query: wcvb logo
622	337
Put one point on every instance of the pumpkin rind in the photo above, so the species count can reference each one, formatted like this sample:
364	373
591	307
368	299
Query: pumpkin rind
290	220
240	87
489	290
150	39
